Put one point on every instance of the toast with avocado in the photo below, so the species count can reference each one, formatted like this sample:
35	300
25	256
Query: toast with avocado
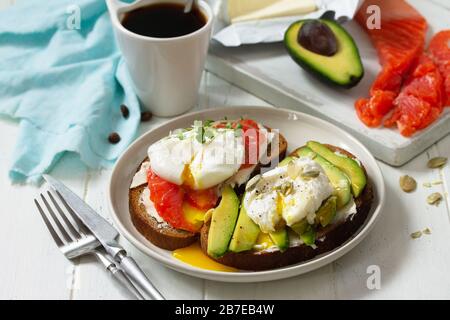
160	227
313	202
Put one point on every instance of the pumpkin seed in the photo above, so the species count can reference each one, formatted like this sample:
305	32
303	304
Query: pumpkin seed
252	183
286	188
416	235
426	231
434	198
437	162
310	174
427	185
407	183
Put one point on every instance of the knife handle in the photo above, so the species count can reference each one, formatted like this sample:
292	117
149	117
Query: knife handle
122	278
135	273
118	274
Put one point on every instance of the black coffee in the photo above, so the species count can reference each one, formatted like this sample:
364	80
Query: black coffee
163	20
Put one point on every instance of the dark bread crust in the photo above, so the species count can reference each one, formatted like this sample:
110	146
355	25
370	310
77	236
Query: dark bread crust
167	237
164	237
333	236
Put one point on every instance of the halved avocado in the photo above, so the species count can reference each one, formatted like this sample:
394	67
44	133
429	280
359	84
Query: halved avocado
348	165
338	179
339	63
223	221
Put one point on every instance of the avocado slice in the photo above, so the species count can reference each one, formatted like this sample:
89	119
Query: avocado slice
339	63
309	236
327	212
306	231
300	227
280	238
223	221
348	165
245	233
285	161
338	179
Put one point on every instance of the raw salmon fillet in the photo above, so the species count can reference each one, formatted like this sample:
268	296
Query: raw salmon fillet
399	43
420	100
439	50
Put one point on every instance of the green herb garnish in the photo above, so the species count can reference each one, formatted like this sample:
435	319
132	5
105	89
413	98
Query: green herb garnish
200	136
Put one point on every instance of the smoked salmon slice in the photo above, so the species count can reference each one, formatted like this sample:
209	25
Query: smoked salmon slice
399	43
439	50
421	98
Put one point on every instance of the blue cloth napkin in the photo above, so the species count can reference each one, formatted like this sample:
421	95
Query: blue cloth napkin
64	80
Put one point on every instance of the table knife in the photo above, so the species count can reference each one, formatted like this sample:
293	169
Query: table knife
106	235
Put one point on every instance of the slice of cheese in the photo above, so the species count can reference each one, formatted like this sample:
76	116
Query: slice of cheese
248	10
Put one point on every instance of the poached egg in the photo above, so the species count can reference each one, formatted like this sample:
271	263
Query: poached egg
198	157
287	194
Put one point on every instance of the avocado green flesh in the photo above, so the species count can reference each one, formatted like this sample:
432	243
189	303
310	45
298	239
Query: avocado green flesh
300	227
280	238
305	231
223	221
285	161
245	233
338	179
343	68
309	236
327	212
349	166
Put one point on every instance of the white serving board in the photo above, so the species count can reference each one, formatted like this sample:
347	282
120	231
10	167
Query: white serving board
267	71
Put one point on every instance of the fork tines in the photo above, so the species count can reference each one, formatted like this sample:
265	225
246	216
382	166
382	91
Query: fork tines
57	219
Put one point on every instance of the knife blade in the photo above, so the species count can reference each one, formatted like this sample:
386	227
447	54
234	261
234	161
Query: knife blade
106	235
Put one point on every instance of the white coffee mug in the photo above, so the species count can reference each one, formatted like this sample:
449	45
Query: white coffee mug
166	72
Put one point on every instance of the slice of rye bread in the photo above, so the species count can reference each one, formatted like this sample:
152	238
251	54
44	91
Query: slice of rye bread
330	237
165	236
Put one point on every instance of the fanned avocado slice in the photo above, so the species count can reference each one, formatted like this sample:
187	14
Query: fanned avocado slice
223	222
245	233
335	59
338	179
280	238
306	231
309	236
327	212
348	165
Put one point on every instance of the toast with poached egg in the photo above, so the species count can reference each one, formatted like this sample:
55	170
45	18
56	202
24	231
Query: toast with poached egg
179	168
312	203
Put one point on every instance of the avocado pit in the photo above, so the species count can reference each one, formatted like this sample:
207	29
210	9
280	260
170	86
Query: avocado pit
317	37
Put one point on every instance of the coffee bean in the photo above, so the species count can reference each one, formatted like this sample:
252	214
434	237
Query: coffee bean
125	111
146	116
114	138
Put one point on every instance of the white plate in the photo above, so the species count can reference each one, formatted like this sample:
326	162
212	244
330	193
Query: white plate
298	128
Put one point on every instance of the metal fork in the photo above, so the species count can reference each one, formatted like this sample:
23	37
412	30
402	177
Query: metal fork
75	240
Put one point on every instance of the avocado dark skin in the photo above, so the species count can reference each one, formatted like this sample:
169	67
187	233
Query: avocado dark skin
325	50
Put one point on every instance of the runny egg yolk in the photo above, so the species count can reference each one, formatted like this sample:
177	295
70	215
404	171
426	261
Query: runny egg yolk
194	256
280	204
187	177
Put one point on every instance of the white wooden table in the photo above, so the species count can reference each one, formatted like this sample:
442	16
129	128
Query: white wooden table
33	268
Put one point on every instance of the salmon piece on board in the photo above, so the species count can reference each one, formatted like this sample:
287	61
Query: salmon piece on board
439	50
399	43
421	99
